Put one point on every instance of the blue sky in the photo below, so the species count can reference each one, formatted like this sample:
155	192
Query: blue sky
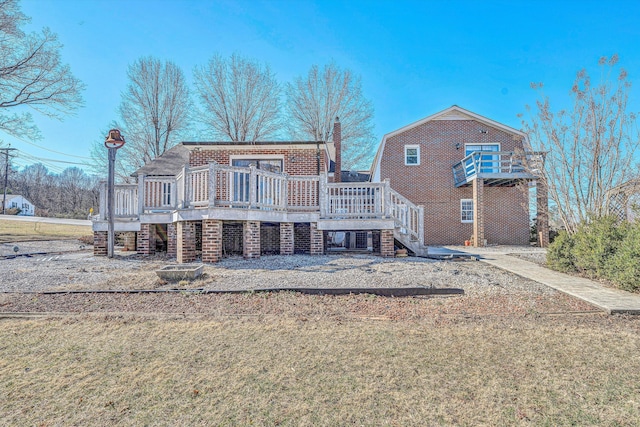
414	57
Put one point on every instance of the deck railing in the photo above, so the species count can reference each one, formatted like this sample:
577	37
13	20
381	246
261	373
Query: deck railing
218	186
498	164
408	217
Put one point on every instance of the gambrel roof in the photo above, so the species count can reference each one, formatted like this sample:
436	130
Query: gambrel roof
452	113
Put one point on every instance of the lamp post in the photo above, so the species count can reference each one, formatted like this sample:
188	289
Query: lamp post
113	141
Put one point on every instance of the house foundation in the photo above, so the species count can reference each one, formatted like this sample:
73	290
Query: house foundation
387	248
172	240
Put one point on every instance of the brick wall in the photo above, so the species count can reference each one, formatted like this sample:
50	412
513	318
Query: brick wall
269	238
297	161
186	247
317	240
146	239
100	243
172	240
302	238
211	240
431	183
386	243
232	238
286	238
251	239
129	240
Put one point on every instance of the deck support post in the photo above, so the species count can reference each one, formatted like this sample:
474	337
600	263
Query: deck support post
251	239
172	240
211	240
317	239
186	247
478	212
146	239
286	238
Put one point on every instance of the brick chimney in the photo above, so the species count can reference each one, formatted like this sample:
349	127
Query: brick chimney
337	143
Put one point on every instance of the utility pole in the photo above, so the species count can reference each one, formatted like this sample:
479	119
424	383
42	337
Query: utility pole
6	175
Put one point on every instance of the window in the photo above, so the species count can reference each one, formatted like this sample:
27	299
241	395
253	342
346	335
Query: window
489	163
466	210
411	155
166	194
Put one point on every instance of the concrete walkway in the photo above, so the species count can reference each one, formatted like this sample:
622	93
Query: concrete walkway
613	301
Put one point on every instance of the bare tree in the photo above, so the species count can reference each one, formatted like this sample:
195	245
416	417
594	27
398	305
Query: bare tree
240	98
154	109
314	101
32	74
154	116
590	149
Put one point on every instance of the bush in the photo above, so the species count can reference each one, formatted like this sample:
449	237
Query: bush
595	243
560	253
624	267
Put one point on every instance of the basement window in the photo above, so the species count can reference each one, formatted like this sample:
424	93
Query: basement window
466	210
412	155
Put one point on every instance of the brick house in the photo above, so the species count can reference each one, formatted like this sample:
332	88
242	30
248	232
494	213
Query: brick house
471	174
429	183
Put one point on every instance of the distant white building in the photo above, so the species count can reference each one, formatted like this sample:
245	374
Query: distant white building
17	201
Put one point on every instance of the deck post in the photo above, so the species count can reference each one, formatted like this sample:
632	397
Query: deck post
253	186
284	191
478	212
323	196
386	199
141	195
184	203
421	224
212	184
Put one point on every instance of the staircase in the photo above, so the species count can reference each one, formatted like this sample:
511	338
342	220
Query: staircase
409	223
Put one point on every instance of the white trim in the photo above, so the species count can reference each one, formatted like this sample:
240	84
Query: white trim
410	147
375	166
482	143
466	221
252	147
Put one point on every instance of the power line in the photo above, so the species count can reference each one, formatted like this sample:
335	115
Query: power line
48	149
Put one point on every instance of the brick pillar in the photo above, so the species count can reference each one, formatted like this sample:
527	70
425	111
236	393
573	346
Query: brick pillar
172	240
211	240
146	240
186	244
251	239
317	240
100	243
130	241
386	243
286	238
478	212
542	221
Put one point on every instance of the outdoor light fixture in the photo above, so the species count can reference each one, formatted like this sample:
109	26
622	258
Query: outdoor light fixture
457	145
113	141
